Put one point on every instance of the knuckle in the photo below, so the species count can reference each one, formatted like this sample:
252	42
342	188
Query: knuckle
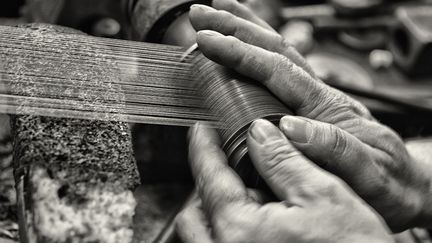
328	104
284	45
378	188
234	40
332	190
281	63
233	45
387	134
382	138
393	146
281	66
360	109
244	33
315	97
249	59
382	187
348	107
352	123
340	144
276	154
231	6
315	135
226	20
318	188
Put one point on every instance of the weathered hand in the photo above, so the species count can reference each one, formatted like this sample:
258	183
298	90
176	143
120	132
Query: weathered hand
333	130
314	206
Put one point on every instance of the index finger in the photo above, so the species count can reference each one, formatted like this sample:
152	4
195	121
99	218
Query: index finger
226	23
218	185
304	94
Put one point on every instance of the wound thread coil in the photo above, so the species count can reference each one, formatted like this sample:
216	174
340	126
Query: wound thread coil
160	89
236	102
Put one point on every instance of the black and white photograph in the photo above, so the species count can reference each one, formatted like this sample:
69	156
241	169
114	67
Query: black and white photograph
216	121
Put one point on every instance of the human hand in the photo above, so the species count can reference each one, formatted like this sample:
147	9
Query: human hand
314	206
335	131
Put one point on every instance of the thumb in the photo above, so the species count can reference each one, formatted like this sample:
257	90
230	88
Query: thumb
328	146
290	175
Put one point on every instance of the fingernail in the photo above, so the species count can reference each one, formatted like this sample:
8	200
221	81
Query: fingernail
209	33
262	131
204	8
296	129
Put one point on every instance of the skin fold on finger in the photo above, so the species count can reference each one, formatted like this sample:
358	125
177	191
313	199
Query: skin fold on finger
218	185
306	187
376	135
302	93
358	164
192	225
206	18
240	10
290	175
335	151
289	82
329	146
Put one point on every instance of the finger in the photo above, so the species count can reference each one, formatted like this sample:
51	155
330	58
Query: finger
218	185
290	175
192	225
374	134
206	18
367	170
242	11
333	149
305	95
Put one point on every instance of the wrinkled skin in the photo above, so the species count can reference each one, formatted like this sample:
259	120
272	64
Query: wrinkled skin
314	206
332	160
331	129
